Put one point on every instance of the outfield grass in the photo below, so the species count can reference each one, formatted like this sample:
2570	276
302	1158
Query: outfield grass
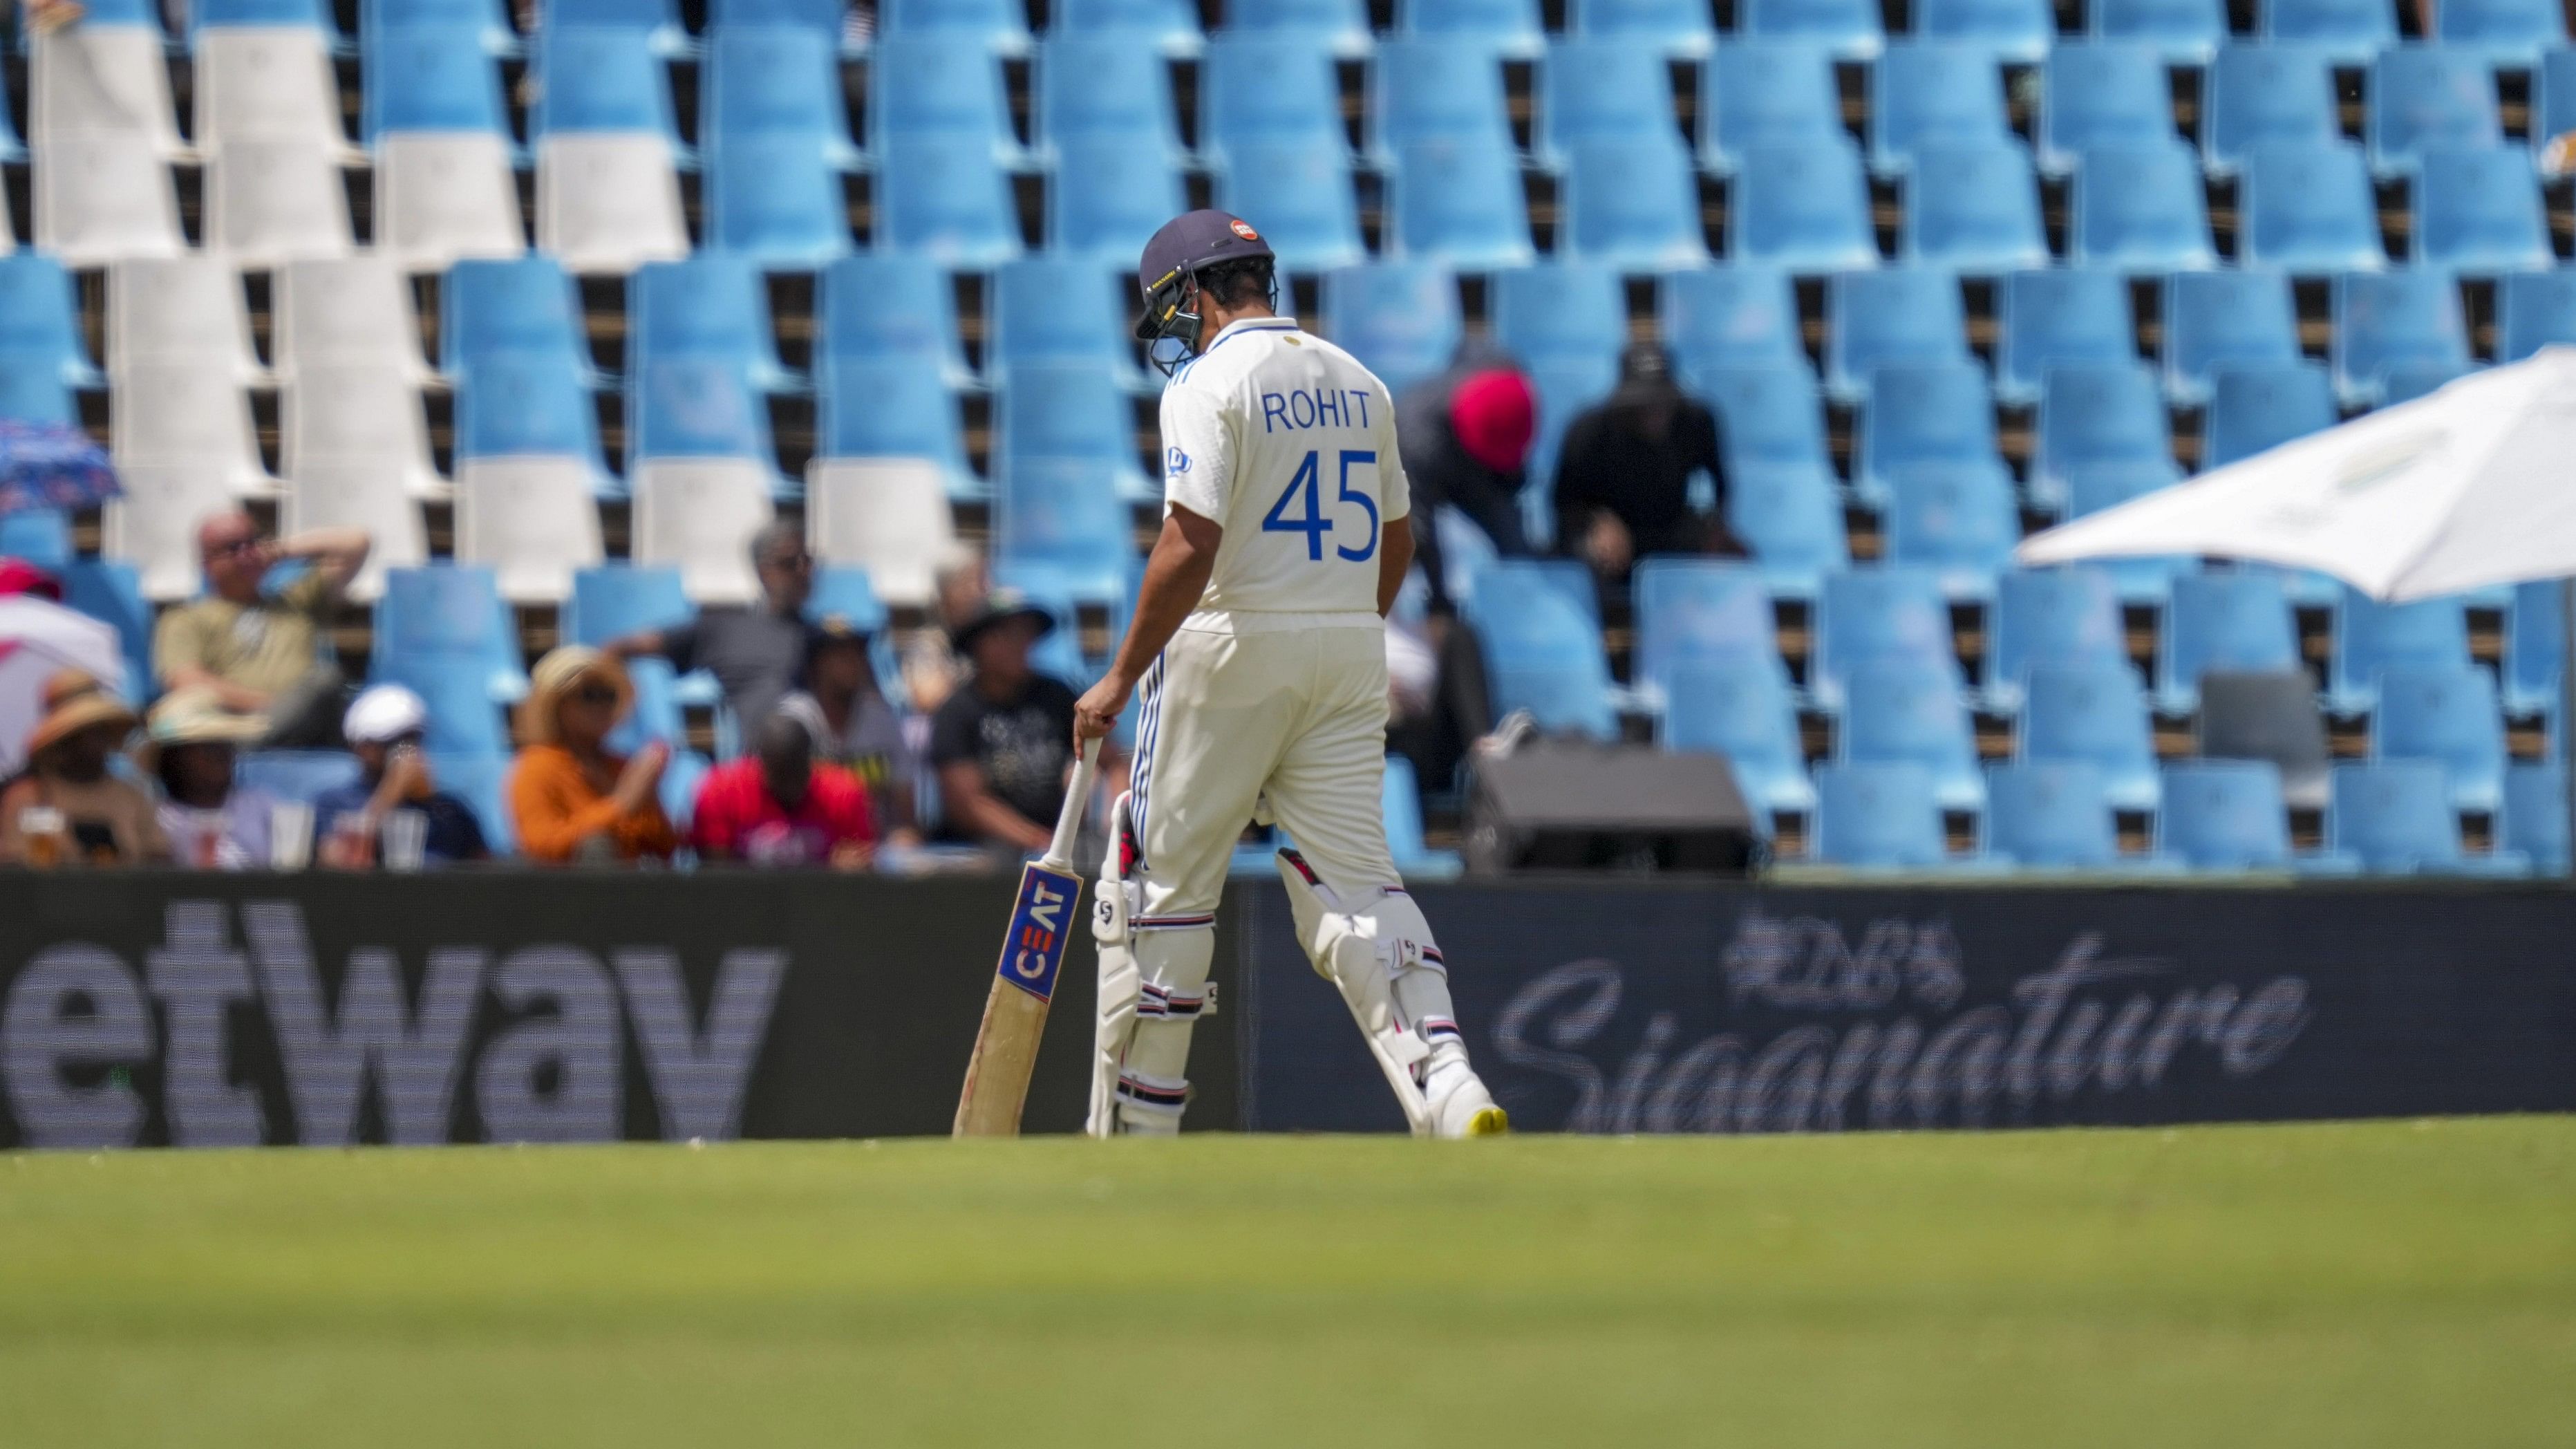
2406	1283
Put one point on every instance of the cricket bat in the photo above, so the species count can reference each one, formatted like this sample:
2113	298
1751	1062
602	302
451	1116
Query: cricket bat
1049	907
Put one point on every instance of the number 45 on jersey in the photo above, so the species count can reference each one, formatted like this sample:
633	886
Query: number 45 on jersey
1309	484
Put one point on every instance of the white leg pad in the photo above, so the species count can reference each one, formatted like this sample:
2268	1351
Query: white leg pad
1380	955
1153	989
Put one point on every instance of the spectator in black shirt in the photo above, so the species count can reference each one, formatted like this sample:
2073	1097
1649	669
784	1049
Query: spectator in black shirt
1003	742
755	651
1623	473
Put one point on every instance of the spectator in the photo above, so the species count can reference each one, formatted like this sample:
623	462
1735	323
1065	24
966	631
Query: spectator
778	807
1437	703
188	746
1002	743
384	727
1623	474
1466	440
571	799
931	668
67	808
752	649
854	728
253	653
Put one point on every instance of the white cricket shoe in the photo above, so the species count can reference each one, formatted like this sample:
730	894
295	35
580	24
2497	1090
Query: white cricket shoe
1461	1107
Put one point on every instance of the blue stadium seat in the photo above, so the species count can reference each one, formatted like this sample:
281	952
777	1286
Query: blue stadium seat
444	631
1173	25
2481	212
613	600
2020	31
2388	318
2253	407
2101	95
2141	209
299	776
2223	319
1956	517
1400	319
430	77
2097	716
2184	32
2553	99
1771	415
1680	28
887	305
2534	310
2308	209
489	20
776	199
1267	88
830	18
2449	716
1909	712
527	405
706	306
1891	317
1974	208
1924	94
2406	381
1922	414
1732	316
944	197
1559	312
1076	413
843	590
2050	815
40	536
1741	708
1297	192
2225	815
2535	648
1047	311
1435	90
1766	93
1340	26
1103	87
2351	31
1802	208
2236	620
1698	611
935	83
1601	90
1851	29
1001	24
765	80
1885	613
32	391
698	405
2371	638
2064	316
1632	204
1107	198
2506	32
525	304
1065	514
2092	415
111	591
39	318
892	407
1542	652
2256	94
603	78
2424	97
1510	28
658	715
1791	516
2533	823
1459	202
2061	618
2394	817
1879	816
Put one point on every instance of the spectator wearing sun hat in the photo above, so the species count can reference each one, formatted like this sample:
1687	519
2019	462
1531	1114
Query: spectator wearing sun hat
384	727
93	816
189	746
570	799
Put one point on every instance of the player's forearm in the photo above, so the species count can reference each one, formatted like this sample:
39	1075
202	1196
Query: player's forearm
1394	560
1176	577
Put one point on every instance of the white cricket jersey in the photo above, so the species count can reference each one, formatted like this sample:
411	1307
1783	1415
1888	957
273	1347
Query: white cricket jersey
1289	444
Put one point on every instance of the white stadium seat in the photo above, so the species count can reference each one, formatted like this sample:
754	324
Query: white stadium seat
889	516
102	80
700	514
443	196
179	414
154	525
343	311
180	309
266	83
609	201
354	413
269	202
105	197
533	521
366	493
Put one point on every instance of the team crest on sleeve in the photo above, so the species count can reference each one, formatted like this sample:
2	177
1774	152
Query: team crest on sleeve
1175	461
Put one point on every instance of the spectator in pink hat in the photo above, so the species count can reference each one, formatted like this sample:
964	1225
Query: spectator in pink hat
1466	439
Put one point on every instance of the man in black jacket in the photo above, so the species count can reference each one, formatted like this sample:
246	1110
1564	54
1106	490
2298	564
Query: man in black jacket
1623	473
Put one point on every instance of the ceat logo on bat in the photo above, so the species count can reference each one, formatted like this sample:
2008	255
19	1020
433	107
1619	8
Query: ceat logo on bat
1244	230
1034	949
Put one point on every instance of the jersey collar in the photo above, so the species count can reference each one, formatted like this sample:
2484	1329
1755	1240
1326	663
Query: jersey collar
1252	324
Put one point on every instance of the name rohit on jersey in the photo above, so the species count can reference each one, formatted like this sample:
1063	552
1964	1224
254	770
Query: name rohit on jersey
1314	407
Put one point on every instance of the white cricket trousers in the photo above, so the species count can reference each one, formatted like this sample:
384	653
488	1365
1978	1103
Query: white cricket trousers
1243	706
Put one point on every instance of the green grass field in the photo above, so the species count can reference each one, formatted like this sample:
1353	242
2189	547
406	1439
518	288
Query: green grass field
2408	1283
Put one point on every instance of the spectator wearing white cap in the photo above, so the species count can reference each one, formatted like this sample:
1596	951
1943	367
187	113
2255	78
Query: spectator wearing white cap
383	727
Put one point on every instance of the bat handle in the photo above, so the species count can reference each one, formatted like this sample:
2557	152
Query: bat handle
1077	795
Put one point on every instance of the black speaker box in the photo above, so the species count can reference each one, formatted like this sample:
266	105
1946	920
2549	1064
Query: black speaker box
1553	805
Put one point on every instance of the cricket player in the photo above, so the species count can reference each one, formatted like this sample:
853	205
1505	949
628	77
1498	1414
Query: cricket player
1259	643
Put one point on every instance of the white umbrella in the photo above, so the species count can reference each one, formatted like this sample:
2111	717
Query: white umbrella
2470	487
38	637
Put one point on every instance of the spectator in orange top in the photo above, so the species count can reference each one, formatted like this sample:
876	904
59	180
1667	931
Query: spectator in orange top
777	807
574	801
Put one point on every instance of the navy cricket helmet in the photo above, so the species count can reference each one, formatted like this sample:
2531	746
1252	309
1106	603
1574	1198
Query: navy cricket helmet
1167	275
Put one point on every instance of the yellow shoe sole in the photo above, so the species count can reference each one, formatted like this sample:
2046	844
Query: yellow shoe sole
1489	1122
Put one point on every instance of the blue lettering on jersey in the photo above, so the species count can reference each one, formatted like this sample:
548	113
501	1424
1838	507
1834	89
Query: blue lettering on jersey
1175	461
1300	408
